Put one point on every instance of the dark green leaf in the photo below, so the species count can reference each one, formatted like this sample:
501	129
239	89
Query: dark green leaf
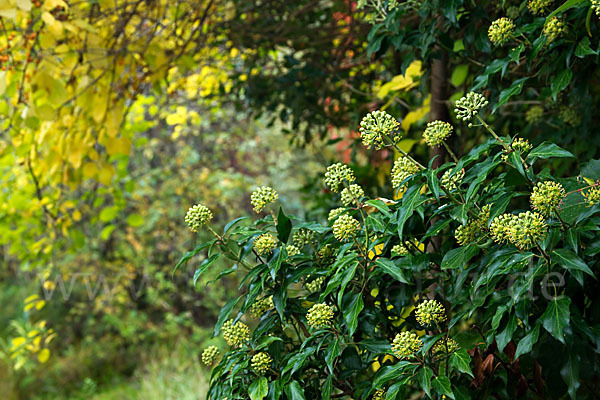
284	226
557	316
204	266
389	267
424	377
547	150
460	360
225	313
352	311
258	389
570	261
457	258
441	384
294	391
526	344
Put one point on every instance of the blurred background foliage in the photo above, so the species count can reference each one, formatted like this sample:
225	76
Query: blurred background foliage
118	115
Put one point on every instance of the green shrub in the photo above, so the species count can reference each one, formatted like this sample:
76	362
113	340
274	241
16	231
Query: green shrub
455	290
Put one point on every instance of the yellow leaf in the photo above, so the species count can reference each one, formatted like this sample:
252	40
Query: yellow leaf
415	115
402	82
18	342
55	27
378	250
24	5
117	146
44	355
31	298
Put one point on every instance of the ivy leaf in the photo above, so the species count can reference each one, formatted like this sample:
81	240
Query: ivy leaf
457	258
204	266
566	5
441	384
570	373
389	267
557	316
460	360
284	226
526	344
332	352
327	388
570	261
561	81
225	313
294	391
514	89
258	389
424	377
547	150
583	48
187	256
352	311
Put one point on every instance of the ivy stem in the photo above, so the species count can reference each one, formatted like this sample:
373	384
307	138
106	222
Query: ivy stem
450	152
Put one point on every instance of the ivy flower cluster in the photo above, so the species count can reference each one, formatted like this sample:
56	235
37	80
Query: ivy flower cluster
403	168
325	255
443	347
264	244
261	197
337	174
303	237
335	213
430	312
261	362
379	395
596	7
197	216
501	31
436	132
472	231
352	195
569	116
320	316
523	230
554	29
259	307
315	285
406	344
209	355
534	114
376	126
345	227
592	196
292	250
468	106
399	250
452	182
539	7
546	196
235	334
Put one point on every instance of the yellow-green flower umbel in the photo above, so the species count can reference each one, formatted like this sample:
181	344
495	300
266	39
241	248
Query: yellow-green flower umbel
403	169
399	250
259	307
430	312
473	230
197	216
406	344
379	395
546	196
319	316
209	355
335	213
345	227
596	7
378	129
303	237
264	244
261	197
235	334
592	196
569	116
443	347
436	132
292	250
337	174
261	362
523	230
452	181
315	285
554	29
539	7
468	106
352	195
534	114
501	31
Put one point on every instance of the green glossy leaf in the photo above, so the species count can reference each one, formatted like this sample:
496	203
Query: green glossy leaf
526	344
389	267
457	258
284	226
441	385
258	389
204	266
569	261
294	391
557	316
424	378
461	360
352	311
547	150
